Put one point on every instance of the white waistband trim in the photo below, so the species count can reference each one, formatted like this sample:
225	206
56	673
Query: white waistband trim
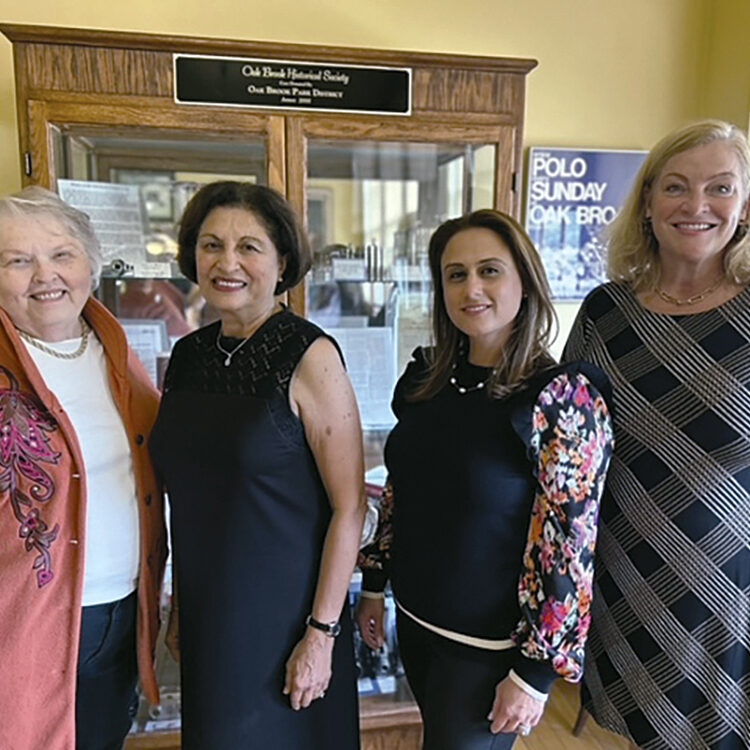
467	640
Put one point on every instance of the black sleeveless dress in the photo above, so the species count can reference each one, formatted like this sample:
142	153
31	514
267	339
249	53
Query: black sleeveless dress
249	515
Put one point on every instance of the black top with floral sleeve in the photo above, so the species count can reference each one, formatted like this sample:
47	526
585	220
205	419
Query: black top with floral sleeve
489	520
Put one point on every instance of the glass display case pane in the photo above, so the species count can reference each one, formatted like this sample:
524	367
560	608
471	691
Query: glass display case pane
141	180
371	209
135	183
157	172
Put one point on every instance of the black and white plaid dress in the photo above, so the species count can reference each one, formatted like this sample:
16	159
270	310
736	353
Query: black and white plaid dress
669	658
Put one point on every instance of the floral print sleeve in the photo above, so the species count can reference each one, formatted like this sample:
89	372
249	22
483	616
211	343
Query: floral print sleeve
375	557
571	447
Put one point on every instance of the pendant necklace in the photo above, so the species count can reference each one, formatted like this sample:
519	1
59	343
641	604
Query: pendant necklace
229	355
462	389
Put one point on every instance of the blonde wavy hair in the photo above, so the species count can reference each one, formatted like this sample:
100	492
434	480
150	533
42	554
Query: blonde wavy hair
527	349
633	252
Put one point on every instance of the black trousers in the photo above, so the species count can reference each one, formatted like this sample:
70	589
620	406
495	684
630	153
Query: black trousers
107	674
454	686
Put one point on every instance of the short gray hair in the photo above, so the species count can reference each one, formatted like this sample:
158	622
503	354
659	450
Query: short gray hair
34	200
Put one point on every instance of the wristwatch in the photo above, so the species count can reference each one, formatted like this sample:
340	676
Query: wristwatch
331	629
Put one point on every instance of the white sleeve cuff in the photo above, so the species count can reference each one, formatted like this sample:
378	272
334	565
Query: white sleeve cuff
372	594
532	691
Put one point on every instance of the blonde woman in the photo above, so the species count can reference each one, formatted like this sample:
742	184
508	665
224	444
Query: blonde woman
670	650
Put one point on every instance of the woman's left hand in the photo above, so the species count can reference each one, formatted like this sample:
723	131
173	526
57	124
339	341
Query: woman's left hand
513	709
308	669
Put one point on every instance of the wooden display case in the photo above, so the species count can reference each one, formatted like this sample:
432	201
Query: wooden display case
94	105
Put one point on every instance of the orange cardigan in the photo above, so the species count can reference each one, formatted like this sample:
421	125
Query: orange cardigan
42	537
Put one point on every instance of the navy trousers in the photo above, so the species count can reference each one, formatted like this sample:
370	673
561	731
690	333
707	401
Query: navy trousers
454	685
107	674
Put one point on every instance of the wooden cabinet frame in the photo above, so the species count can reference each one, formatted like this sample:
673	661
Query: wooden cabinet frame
101	78
123	82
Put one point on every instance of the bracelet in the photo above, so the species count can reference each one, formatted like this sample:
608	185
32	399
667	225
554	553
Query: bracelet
331	629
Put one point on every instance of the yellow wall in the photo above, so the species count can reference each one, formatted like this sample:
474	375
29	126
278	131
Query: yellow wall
726	91
611	73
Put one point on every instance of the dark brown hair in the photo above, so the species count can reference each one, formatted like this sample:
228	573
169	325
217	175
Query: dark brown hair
526	351
268	206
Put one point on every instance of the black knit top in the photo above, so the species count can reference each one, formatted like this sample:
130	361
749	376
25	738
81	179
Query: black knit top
489	523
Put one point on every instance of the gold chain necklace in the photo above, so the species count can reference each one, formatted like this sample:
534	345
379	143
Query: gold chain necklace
689	300
85	331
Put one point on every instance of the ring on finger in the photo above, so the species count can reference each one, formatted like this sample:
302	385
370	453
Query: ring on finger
524	730
322	694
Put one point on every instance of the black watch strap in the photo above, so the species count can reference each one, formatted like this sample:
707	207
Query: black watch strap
331	629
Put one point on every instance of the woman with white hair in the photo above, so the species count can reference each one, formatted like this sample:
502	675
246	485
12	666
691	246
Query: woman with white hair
81	515
669	662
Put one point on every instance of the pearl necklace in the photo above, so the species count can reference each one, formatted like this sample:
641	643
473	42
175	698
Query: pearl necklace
462	389
85	331
689	300
229	355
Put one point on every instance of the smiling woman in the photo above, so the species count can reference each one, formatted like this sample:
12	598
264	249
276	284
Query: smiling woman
259	441
238	269
684	226
695	206
82	538
45	276
488	523
669	664
482	290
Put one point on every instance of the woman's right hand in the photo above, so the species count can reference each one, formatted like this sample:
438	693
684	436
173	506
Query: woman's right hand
370	616
172	636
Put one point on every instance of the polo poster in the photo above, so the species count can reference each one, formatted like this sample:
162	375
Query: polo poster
572	196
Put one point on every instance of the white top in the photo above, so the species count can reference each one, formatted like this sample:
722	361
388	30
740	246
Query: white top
112	539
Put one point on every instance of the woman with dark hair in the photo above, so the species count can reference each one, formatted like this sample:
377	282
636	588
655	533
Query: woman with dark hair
488	522
258	440
670	645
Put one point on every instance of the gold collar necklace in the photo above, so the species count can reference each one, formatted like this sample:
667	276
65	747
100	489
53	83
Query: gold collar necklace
689	300
85	331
